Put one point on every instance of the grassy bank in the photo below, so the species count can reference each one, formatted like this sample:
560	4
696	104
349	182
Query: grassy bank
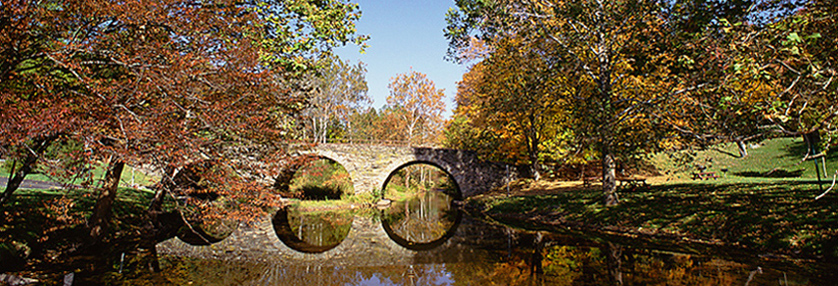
780	217
765	201
767	161
130	176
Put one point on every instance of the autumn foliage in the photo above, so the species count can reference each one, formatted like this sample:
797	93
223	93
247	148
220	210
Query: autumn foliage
163	83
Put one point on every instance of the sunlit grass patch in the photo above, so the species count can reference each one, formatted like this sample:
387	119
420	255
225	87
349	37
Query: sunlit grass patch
777	216
767	161
130	176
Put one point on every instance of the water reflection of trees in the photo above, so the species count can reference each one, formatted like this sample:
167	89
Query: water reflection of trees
321	228
608	264
423	218
484	254
312	231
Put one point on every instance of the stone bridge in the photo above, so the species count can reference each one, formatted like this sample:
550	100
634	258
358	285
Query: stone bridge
370	166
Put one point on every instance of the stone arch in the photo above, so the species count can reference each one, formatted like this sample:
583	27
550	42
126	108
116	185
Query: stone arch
283	180
459	193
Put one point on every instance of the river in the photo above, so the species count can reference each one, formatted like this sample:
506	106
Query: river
428	240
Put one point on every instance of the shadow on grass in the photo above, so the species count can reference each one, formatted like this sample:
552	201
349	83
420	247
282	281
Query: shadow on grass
777	173
768	217
38	222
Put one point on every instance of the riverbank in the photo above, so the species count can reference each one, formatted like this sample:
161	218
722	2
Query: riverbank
773	218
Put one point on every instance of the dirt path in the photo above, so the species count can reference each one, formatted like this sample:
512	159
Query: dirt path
30	184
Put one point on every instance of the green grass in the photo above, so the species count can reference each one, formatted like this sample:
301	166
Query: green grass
782	155
750	206
778	217
129	176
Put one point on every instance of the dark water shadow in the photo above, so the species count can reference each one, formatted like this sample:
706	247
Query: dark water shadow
196	235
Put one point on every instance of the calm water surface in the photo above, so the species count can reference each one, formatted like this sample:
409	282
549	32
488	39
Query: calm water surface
426	241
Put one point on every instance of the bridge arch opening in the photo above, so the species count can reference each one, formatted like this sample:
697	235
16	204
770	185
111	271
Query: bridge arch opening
314	177
415	176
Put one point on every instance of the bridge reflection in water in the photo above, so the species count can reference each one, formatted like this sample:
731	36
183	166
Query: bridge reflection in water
425	241
391	237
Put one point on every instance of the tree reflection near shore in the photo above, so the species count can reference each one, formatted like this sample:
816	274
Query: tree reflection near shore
423	219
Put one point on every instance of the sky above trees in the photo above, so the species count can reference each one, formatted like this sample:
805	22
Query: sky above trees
404	35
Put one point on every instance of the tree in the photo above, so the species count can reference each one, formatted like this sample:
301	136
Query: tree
795	56
764	70
36	93
721	106
418	104
341	88
365	125
614	54
516	95
166	84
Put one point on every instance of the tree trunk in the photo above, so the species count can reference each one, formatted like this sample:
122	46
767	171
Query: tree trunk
743	149
156	229
614	254
532	147
99	221
537	258
324	129
407	179
609	180
17	177
536	175
40	145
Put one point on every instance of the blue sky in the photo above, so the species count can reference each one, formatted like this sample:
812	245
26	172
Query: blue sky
404	34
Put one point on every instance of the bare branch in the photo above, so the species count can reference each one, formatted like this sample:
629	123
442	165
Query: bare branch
834	176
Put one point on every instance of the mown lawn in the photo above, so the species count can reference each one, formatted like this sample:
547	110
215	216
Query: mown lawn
765	201
778	158
780	217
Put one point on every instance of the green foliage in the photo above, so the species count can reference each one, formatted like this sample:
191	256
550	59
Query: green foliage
297	32
321	179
